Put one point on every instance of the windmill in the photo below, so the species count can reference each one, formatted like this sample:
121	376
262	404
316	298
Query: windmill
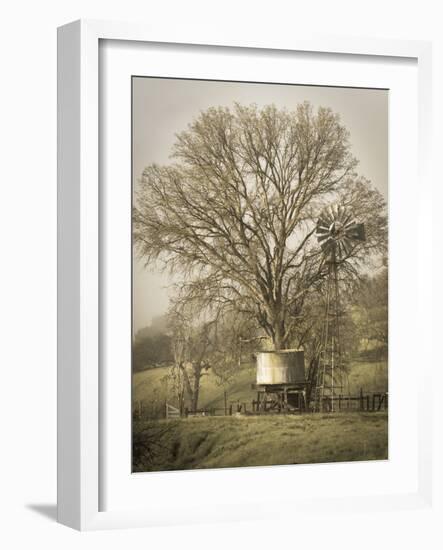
338	234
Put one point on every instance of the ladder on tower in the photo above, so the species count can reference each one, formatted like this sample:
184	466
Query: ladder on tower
328	384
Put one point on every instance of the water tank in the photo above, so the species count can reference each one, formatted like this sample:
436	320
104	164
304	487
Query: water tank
280	367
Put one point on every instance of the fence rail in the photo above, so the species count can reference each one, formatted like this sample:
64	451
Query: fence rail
371	402
368	402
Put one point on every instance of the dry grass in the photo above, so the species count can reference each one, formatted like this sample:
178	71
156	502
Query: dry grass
220	442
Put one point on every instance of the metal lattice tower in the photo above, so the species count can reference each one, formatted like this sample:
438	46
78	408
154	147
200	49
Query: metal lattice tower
338	234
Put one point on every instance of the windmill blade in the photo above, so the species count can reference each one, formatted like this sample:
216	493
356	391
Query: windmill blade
322	237
348	218
338	250
333	213
322	223
322	234
344	249
349	227
322	228
349	215
328	243
322	231
324	217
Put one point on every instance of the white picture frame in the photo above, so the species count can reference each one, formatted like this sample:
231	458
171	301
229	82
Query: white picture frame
79	253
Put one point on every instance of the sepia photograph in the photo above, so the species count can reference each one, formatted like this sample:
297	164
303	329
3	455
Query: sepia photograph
259	274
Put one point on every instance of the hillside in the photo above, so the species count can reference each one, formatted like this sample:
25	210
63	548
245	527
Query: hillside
234	441
230	441
151	387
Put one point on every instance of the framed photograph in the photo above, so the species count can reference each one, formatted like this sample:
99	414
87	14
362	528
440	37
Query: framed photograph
260	274
240	267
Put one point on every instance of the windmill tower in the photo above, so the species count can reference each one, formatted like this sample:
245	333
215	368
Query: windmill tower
338	234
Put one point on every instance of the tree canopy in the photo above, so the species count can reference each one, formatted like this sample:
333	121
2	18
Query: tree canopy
235	211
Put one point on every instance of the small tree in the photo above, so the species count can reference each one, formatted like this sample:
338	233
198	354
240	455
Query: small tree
190	345
235	213
199	344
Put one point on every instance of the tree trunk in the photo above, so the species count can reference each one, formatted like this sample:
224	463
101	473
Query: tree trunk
197	368
279	341
187	386
192	386
196	390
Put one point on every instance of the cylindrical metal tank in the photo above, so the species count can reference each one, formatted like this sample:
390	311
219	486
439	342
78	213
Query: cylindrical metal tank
280	367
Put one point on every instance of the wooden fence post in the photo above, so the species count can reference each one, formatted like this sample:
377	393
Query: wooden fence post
381	401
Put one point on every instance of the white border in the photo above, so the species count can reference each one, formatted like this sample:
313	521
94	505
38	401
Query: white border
78	269
118	487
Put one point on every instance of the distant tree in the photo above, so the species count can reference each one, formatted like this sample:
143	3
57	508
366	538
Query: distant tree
233	340
235	213
151	351
372	310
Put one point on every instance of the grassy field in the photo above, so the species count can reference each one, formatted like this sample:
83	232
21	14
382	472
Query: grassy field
151	390
218	442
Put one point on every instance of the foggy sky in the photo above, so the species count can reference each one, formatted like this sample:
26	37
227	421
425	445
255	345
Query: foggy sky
164	107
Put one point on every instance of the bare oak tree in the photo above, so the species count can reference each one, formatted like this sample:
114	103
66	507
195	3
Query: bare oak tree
235	211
